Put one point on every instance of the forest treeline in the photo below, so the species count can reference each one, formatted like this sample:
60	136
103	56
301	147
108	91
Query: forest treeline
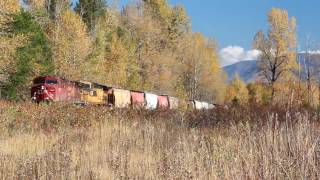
148	45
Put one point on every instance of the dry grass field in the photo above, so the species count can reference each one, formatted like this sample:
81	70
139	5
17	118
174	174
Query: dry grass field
68	142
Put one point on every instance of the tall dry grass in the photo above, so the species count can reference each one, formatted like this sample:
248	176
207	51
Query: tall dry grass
69	142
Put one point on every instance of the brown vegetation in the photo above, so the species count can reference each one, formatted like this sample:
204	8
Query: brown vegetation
63	141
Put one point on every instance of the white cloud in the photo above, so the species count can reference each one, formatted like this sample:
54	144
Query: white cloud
311	52
234	54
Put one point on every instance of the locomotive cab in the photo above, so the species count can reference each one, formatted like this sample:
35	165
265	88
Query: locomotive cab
51	88
45	89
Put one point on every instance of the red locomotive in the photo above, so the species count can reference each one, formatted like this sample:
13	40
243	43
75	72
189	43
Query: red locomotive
52	88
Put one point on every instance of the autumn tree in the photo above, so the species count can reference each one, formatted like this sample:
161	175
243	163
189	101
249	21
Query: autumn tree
309	71
148	39
201	74
7	10
237	91
8	41
258	93
156	30
173	21
34	5
70	44
90	11
278	48
109	58
55	8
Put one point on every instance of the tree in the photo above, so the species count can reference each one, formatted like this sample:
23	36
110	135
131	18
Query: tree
33	58
8	41
157	33
237	91
278	49
179	26
7	10
70	44
52	8
35	5
55	8
159	9
173	21
117	58
258	93
200	71
90	11
112	60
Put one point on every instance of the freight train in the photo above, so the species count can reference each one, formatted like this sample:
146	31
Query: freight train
57	89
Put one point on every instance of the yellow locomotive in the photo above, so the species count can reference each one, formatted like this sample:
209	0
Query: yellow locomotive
93	93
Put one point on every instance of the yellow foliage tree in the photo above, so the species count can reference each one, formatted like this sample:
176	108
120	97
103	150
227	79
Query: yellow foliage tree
237	91
36	5
258	93
7	9
118	59
297	93
70	44
152	58
8	42
278	49
110	60
200	71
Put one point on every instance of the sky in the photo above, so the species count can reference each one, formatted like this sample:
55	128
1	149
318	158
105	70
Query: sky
233	23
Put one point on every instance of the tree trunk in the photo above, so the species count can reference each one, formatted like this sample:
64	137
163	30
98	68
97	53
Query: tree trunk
273	92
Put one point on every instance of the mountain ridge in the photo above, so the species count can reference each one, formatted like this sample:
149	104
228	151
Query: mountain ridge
248	69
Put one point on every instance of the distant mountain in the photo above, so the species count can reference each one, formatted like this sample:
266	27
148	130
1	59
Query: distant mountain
249	71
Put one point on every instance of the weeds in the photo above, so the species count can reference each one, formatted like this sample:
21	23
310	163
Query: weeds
68	142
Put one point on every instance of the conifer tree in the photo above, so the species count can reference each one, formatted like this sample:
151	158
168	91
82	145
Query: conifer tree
33	58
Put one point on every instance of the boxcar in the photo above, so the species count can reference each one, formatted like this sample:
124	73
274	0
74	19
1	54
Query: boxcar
119	98
174	102
151	101
163	102
137	99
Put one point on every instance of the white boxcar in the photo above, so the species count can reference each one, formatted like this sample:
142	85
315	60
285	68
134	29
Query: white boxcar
198	105
122	98
212	106
205	105
173	102
151	101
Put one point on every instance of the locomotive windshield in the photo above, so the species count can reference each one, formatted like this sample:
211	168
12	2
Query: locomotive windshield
51	81
45	81
83	86
39	81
